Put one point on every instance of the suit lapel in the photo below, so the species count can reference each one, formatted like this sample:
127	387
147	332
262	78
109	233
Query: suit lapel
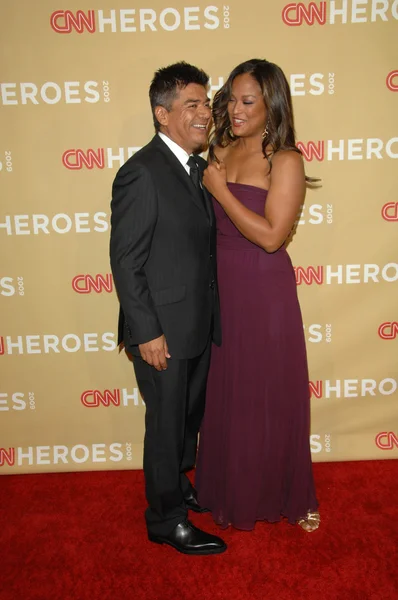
207	197
178	170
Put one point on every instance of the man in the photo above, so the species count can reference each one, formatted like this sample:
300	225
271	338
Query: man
163	262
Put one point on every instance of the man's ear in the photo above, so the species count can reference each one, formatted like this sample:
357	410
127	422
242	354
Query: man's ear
162	115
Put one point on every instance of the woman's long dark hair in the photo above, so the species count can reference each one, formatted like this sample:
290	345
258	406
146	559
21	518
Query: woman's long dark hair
278	102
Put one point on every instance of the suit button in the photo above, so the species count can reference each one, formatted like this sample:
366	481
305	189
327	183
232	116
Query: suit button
212	284
211	256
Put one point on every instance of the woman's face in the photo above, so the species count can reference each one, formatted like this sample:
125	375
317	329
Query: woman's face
246	108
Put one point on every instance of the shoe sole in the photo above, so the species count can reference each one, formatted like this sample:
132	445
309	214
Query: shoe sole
192	552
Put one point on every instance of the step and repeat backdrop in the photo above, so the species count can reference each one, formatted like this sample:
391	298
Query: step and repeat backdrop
74	107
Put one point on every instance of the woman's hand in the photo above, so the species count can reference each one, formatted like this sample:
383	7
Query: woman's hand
215	179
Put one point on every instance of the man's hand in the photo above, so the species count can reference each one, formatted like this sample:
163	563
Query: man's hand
155	353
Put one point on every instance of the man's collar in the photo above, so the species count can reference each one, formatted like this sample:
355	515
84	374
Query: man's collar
178	152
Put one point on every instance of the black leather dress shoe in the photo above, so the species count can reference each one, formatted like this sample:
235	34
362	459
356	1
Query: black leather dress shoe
191	503
188	539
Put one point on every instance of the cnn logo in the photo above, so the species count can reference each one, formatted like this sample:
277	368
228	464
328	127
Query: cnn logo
388	330
295	14
392	81
386	440
389	212
86	284
96	398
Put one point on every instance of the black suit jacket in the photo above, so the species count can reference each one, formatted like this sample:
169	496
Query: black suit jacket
162	249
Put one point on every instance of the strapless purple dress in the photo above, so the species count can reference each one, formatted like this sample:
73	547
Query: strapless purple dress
254	460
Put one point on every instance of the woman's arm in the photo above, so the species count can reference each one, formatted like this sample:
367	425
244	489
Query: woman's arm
285	196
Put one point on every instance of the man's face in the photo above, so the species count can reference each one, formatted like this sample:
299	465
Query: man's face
186	123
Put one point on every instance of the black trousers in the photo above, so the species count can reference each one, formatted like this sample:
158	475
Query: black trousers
175	401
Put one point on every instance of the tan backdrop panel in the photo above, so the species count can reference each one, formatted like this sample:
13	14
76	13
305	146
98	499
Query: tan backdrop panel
74	107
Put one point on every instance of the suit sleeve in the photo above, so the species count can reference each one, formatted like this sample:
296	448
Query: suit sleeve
133	221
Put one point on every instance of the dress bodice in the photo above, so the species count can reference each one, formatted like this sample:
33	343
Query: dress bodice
230	238
254	198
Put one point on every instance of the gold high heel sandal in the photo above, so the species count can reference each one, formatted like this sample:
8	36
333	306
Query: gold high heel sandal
310	522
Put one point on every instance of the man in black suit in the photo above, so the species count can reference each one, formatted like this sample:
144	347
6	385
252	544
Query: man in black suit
163	262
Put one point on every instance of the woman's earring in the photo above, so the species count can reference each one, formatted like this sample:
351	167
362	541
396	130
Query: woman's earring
265	132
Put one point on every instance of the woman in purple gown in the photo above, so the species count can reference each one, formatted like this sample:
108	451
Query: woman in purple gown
254	460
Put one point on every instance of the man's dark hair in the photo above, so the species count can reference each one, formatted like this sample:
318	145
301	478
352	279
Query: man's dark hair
167	82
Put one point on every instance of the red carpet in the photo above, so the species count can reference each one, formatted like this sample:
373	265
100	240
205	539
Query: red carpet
81	536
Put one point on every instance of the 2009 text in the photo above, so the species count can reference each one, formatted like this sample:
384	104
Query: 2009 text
226	17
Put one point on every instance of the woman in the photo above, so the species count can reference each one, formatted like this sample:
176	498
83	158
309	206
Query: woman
254	460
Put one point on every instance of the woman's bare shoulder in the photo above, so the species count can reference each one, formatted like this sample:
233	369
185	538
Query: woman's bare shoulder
287	165
221	152
287	158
